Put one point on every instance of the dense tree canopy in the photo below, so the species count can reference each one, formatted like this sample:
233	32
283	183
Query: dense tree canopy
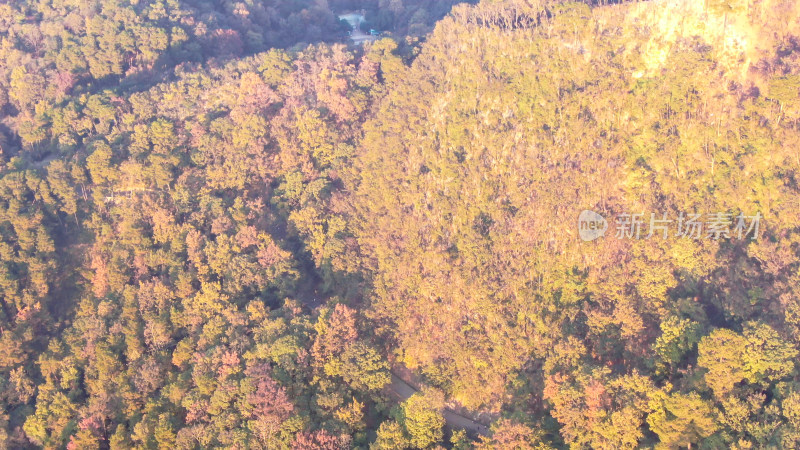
221	225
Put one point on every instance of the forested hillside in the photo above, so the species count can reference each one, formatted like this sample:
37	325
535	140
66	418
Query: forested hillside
221	226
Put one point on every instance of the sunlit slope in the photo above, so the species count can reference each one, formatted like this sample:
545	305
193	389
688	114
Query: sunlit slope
514	119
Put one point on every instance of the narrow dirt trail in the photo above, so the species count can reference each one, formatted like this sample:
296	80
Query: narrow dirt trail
403	391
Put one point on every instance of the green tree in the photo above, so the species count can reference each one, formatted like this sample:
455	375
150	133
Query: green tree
681	420
678	336
767	357
391	436
721	354
421	417
363	368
